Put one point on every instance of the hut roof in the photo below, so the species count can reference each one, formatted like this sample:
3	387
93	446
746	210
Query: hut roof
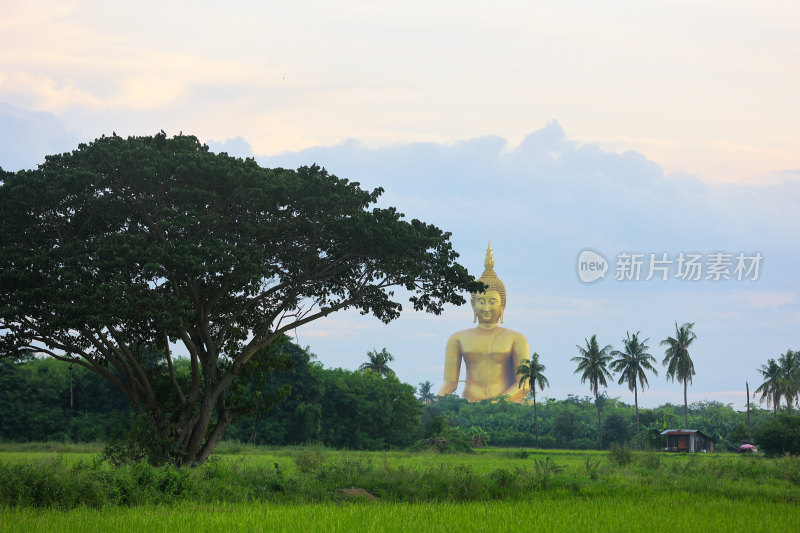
686	432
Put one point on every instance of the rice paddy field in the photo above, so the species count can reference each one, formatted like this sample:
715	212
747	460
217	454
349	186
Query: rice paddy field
312	489
534	514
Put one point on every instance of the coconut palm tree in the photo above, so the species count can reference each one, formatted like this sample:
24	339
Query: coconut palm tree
531	372
678	362
770	390
379	362
790	377
632	363
425	394
593	362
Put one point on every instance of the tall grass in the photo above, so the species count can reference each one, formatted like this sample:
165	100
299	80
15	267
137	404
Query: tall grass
313	474
51	446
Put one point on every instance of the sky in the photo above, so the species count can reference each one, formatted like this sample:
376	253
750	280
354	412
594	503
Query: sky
657	134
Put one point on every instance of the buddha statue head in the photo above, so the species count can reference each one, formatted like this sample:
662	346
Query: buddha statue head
485	305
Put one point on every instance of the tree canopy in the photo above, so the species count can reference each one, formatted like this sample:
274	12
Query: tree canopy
117	254
378	362
771	389
789	364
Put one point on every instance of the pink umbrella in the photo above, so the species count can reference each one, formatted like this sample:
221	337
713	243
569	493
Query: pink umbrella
748	447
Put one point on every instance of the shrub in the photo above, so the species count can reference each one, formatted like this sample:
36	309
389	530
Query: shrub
582	443
479	437
547	442
451	440
620	455
516	454
503	477
135	439
779	436
310	458
592	468
650	461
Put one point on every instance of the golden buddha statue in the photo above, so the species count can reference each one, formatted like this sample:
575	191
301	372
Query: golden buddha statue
491	353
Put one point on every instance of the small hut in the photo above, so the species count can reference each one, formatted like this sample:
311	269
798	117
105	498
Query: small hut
688	440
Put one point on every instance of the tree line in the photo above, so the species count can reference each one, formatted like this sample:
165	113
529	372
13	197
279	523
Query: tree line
304	403
571	423
367	408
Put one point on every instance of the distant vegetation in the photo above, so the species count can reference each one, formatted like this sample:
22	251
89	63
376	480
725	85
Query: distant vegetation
355	410
572	423
340	408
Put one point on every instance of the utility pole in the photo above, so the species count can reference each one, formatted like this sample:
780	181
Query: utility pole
747	385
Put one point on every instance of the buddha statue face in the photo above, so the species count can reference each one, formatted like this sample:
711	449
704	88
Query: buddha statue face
488	307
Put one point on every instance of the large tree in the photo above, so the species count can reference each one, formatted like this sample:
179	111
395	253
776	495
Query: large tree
119	254
678	362
593	365
632	363
531	372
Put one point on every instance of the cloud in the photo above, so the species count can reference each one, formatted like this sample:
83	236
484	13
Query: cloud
148	92
717	161
236	147
28	136
767	299
337	327
554	190
43	93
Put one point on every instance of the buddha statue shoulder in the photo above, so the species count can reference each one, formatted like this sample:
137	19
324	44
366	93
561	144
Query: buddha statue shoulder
490	352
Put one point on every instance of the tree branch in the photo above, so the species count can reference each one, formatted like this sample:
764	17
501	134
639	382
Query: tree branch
178	389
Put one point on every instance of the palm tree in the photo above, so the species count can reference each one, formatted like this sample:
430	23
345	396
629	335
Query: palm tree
531	371
632	363
425	394
379	362
679	364
789	364
593	361
771	390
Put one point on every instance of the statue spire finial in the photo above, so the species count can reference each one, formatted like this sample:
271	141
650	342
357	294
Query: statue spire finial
489	277
489	261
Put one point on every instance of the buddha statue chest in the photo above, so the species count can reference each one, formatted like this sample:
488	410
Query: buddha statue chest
495	344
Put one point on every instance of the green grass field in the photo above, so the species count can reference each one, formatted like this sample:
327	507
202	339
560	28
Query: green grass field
52	488
541	513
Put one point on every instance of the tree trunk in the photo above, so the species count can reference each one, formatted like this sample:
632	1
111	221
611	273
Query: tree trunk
636	403
599	424
535	419
685	407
